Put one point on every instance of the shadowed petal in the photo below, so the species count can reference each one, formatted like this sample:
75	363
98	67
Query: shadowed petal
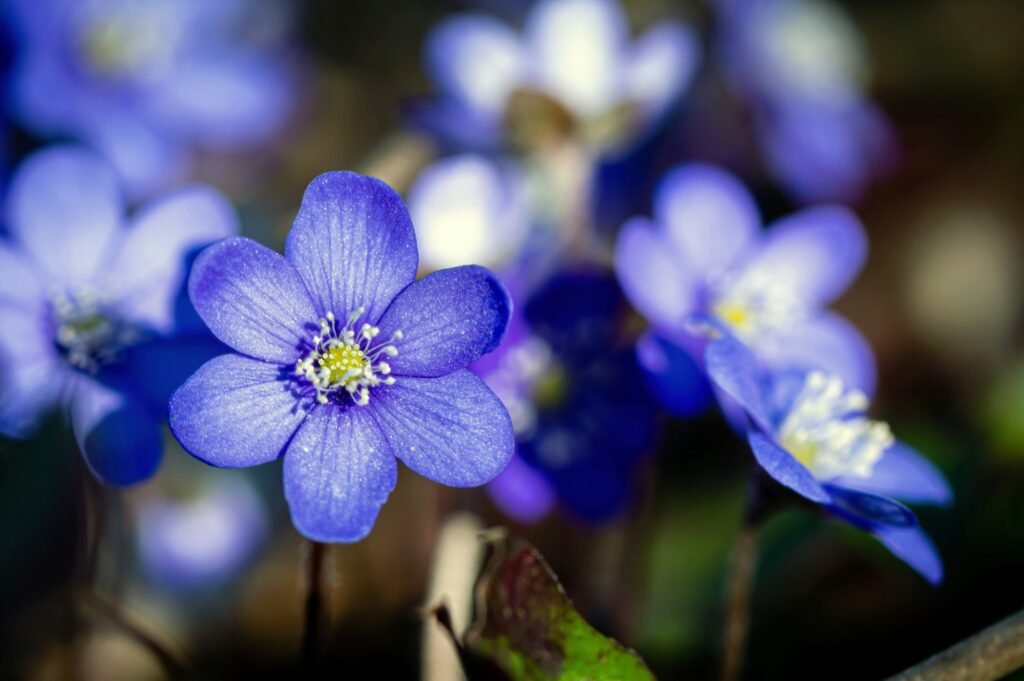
338	472
733	369
451	429
522	492
815	254
235	412
913	547
148	269
252	299
781	465
904	474
674	376
353	244
866	510
64	207
579	47
654	276
448	319
476	60
661	66
709	215
828	343
119	437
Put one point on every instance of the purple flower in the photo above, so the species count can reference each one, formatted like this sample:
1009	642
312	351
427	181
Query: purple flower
799	66
810	433
705	261
203	540
343	363
572	70
90	316
144	82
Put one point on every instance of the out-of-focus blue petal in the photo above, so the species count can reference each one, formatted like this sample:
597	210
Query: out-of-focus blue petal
353	244
866	510
447	319
235	412
159	366
661	66
654	276
825	342
674	376
252	299
522	493
227	99
468	210
147	271
815	254
785	469
117	433
20	285
904	474
64	208
451	429
709	215
734	370
913	547
32	377
578	49
477	61
202	540
338	472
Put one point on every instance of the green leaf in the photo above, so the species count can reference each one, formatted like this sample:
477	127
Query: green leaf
527	626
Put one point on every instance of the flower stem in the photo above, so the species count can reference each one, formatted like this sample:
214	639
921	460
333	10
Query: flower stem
989	654
314	604
110	611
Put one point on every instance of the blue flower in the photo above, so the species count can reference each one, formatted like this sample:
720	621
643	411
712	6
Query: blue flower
705	261
798	67
583	425
90	314
810	433
572	70
144	82
342	362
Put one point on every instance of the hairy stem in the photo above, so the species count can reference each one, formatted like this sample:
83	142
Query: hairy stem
989	654
738	589
314	604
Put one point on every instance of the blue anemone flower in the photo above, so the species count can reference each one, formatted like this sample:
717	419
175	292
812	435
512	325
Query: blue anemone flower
573	69
145	82
798	65
91	317
583	425
810	433
704	260
342	362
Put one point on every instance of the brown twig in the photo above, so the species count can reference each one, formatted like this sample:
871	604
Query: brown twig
988	655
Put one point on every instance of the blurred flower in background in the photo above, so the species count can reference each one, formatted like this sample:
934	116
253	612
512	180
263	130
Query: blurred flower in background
149	83
573	72
90	303
799	66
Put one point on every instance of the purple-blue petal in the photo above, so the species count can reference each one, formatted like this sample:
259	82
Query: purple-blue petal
913	547
32	376
118	434
20	285
904	474
814	254
710	217
522	492
735	371
147	271
253	300
353	244
338	472
674	376
825	342
866	510
64	208
447	319
451	429
661	66
785	469
654	276
235	412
